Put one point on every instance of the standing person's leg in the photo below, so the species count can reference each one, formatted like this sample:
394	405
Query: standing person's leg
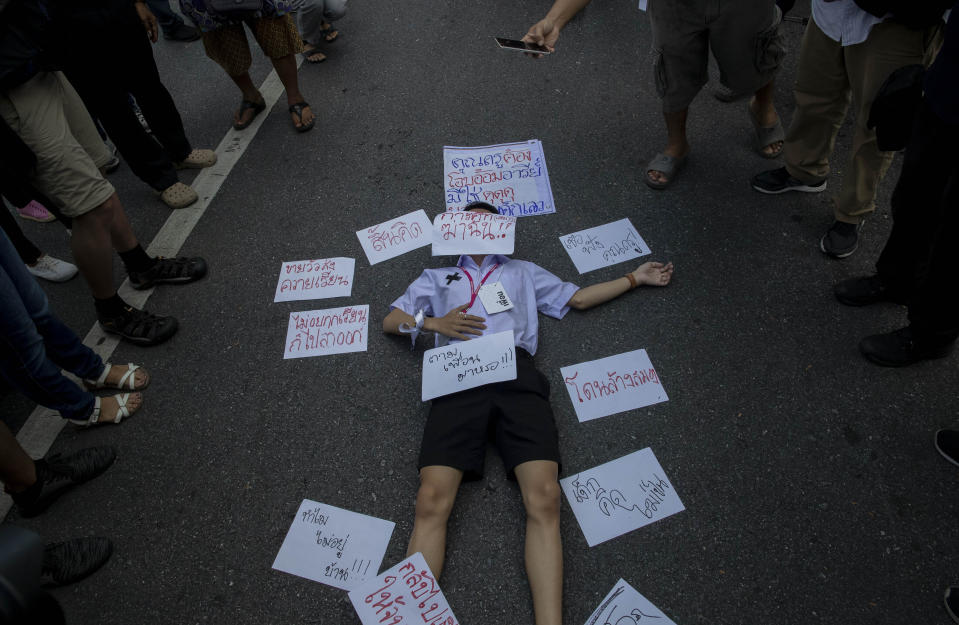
37	263
228	47
921	259
681	48
173	27
280	41
890	46
538	481
822	98
434	503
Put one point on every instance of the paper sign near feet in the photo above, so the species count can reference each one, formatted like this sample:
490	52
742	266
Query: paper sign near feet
325	332
625	606
334	546
620	496
407	594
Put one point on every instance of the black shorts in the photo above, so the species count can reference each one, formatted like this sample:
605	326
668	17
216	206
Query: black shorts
515	415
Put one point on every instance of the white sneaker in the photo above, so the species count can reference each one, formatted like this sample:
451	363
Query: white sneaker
53	269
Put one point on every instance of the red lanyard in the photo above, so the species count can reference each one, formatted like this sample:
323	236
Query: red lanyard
476	290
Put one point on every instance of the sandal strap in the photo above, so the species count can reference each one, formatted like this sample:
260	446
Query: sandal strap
101	381
128	376
122	411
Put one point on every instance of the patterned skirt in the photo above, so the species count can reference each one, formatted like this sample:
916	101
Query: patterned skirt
207	20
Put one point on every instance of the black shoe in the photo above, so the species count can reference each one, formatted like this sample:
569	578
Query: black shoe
182	32
58	474
951	599
865	290
947	444
169	271
140	327
841	240
900	348
776	181
72	560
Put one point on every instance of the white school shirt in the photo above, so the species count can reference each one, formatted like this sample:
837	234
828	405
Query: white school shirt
843	21
530	287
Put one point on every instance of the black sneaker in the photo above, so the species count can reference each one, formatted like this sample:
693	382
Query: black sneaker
139	326
169	271
951	599
947	444
841	240
58	474
775	181
865	290
900	348
72	560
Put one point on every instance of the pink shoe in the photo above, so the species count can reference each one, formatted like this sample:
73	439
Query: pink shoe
35	211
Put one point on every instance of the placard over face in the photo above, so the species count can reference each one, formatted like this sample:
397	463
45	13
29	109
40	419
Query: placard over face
315	279
599	388
620	496
407	594
468	364
473	232
604	245
625	606
510	176
324	332
334	546
396	236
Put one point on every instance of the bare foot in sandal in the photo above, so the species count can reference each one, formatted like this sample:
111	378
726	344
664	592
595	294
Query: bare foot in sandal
658	179
118	377
302	116
112	409
766	120
313	55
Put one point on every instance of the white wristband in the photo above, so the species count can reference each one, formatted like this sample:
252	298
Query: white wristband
414	331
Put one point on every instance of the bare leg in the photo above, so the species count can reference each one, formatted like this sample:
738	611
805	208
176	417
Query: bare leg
17	471
250	92
285	67
544	549
95	235
676	144
763	109
434	502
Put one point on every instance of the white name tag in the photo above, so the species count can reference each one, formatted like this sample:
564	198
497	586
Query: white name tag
494	298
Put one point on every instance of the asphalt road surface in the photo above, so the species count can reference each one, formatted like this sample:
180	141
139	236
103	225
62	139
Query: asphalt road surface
812	491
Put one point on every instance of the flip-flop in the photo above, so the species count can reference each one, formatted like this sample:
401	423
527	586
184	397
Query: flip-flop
313	52
767	135
330	33
246	105
665	164
297	109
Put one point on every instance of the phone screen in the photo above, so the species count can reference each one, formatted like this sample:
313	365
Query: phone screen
521	46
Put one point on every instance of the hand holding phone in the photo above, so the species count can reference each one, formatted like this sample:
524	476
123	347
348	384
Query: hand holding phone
521	46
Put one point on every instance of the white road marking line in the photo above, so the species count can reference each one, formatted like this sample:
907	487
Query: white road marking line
42	427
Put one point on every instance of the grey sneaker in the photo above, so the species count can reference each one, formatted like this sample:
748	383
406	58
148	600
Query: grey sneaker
72	560
58	474
841	240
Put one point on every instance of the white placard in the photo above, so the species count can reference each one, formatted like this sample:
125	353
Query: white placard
469	232
599	388
620	496
315	279
468	364
325	332
407	594
396	236
604	245
334	546
510	176
625	606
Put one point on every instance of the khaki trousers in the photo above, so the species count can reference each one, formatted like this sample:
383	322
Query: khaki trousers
830	76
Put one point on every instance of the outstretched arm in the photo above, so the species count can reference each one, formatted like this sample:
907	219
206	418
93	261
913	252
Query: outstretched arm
546	31
455	324
652	274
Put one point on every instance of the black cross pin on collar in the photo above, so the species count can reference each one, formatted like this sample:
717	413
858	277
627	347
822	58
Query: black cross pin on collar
453	276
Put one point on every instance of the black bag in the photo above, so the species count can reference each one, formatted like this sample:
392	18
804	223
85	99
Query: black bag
235	9
895	107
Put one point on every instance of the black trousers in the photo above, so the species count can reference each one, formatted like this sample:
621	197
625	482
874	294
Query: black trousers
109	58
921	259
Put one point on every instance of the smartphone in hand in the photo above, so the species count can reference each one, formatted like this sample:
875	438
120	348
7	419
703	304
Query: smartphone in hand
520	46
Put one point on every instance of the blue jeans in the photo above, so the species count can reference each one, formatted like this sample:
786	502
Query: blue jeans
35	345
